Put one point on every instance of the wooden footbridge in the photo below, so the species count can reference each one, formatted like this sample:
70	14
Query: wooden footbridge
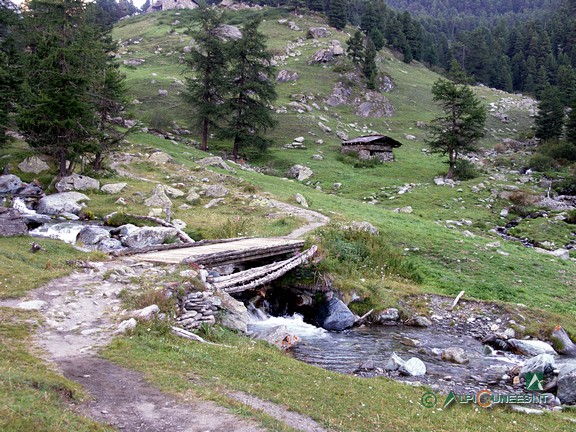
285	254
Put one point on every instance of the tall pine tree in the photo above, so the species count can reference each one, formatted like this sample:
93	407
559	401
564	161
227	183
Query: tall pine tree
549	121
206	62
252	91
56	112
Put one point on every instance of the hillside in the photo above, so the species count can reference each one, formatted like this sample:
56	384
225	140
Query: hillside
500	236
449	227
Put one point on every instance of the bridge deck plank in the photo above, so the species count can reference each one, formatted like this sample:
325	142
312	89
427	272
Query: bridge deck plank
177	255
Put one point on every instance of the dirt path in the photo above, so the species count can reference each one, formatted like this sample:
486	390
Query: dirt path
81	312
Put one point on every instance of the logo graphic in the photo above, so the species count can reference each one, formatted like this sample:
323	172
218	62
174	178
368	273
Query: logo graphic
428	400
449	399
534	381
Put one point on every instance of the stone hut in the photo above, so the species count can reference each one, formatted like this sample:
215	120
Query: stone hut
160	5
372	147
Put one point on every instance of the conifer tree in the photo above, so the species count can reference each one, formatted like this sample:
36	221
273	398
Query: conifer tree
369	68
206	63
571	125
460	125
9	65
251	91
56	112
549	121
337	15
355	48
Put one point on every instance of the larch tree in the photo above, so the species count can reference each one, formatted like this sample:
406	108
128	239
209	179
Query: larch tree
461	124
355	49
207	65
549	120
56	114
252	90
9	65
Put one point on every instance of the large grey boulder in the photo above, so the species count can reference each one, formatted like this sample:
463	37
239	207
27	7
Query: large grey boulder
77	182
159	158
455	355
286	76
11	184
530	347
395	362
92	235
65	202
567	384
318	32
542	363
33	164
300	172
413	367
158	198
215	191
215	161
364	226
109	245
234	314
389	315
228	32
335	315
11	223
149	236
113	188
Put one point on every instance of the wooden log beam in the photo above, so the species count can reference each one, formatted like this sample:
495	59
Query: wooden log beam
253	278
235	256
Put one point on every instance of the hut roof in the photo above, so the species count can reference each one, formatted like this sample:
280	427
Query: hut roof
374	140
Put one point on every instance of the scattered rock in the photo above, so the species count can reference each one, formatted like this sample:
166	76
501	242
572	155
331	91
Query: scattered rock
173	192
109	245
394	362
278	336
233	314
300	172
215	191
12	223
158	198
11	184
147	313
418	321
364	226
162	92
228	32
286	76
455	355
113	188
192	197
318	32
92	235
127	325
215	161
149	236
388	315
77	182
567	384
562	342
301	200
33	164
159	158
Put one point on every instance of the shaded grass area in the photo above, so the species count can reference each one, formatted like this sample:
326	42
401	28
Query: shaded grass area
22	270
34	398
337	401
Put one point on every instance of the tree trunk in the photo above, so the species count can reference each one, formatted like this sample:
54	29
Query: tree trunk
451	169
97	164
204	135
235	149
62	164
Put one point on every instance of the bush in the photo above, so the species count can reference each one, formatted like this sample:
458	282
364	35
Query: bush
566	186
540	162
523	202
465	170
561	152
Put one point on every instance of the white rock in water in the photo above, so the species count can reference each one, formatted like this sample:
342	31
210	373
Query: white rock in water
413	367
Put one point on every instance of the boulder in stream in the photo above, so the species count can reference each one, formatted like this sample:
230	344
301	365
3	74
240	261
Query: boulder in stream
413	367
455	355
530	347
335	315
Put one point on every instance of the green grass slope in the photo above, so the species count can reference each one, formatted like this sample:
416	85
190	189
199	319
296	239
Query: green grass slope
447	236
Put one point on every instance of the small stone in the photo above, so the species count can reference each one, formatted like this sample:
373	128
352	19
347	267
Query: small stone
32	305
455	355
